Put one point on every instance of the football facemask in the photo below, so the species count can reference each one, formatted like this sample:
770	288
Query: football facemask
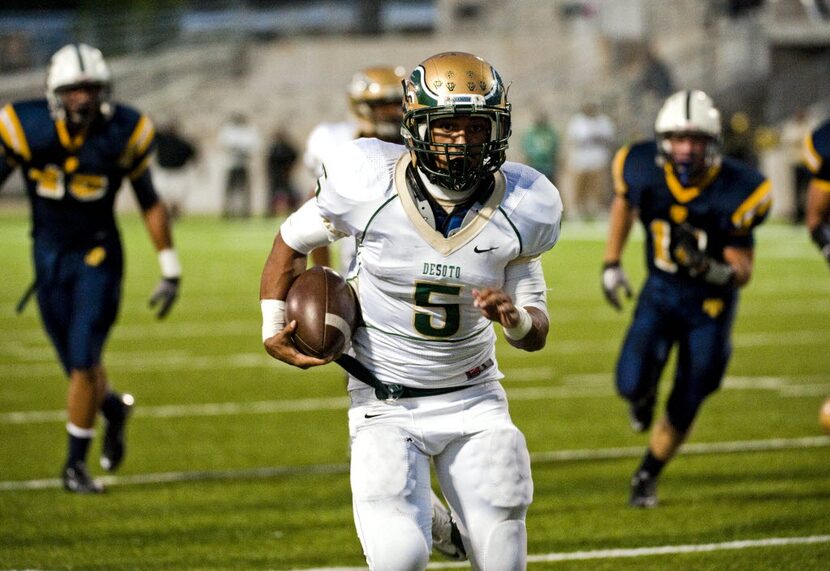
455	84
691	113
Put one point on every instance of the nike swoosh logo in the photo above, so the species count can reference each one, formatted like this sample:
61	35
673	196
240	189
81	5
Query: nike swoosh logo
482	250
371	415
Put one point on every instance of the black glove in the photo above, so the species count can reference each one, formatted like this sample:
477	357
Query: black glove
164	296
686	252
613	278
821	236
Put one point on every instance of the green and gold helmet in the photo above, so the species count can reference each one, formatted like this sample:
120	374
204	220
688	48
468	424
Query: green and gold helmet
375	95
454	84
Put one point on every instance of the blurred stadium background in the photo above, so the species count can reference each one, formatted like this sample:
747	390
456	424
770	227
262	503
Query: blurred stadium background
237	462
287	63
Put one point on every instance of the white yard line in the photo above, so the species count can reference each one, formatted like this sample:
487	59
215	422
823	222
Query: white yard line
42	364
633	552
586	454
574	386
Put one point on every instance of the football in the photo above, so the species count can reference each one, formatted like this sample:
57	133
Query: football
325	309
824	416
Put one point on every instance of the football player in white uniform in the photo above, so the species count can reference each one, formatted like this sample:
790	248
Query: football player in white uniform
449	241
375	95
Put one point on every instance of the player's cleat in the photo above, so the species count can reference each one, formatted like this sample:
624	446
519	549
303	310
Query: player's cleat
643	491
446	538
641	413
112	451
77	480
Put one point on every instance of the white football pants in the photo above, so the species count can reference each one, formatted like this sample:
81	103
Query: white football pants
482	464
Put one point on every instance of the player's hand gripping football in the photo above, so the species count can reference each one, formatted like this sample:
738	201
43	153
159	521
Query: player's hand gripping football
686	251
282	348
164	296
614	279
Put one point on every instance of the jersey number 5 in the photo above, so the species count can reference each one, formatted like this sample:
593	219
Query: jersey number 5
452	313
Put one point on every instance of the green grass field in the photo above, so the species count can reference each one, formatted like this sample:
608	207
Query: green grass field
238	462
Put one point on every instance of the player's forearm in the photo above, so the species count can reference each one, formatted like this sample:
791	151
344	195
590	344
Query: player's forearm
158	226
283	265
739	261
818	207
536	336
619	226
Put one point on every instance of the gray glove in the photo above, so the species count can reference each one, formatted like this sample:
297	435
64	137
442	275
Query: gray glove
613	278
164	295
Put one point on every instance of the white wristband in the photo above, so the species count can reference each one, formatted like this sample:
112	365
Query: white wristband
522	327
273	317
169	263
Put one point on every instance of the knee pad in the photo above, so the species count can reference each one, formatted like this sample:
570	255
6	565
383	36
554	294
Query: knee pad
506	547
507	482
384	476
399	546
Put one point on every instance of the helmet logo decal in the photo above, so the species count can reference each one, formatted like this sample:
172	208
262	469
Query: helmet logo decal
437	83
471	85
482	85
451	85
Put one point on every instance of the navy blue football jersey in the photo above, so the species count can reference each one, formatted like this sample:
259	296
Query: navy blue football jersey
728	204
817	154
72	181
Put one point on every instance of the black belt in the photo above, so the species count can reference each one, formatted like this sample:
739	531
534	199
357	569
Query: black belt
388	391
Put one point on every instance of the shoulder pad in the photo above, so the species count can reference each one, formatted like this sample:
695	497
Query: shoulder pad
533	206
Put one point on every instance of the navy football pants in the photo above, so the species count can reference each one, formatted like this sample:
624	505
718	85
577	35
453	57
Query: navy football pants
78	292
666	316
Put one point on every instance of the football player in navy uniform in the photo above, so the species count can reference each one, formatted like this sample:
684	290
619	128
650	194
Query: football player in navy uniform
74	149
817	158
698	209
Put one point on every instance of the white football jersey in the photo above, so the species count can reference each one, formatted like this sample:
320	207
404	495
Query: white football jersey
414	285
323	139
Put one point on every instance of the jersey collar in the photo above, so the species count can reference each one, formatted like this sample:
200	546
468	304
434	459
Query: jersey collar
684	194
430	235
69	142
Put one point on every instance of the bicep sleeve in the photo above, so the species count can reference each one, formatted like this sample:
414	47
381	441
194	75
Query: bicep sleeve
525	283
144	190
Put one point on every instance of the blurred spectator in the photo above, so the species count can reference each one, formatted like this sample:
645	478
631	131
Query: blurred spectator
240	141
282	155
793	134
590	137
15	52
174	157
540	146
657	77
